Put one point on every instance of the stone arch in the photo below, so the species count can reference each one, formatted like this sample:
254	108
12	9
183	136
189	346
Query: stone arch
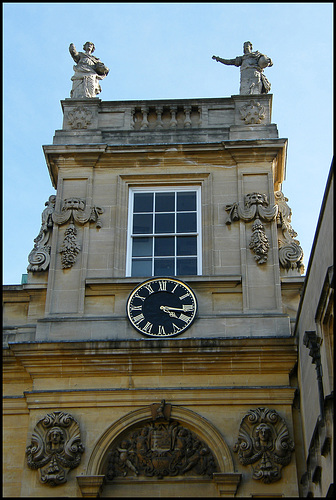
206	431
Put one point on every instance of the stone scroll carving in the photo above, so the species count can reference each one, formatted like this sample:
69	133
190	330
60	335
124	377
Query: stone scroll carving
160	447
74	210
55	447
39	257
264	443
290	251
256	207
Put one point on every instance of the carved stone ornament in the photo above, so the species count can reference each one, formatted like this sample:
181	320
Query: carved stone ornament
256	206
290	251
74	210
264	441
39	257
160	447
55	447
259	242
79	118
252	113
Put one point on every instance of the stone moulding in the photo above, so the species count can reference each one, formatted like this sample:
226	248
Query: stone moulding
256	207
263	440
55	447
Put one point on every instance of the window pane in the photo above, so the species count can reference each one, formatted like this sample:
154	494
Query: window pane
164	202
142	267
186	245
164	267
186	201
143	202
143	224
186	266
142	247
164	223
164	246
186	223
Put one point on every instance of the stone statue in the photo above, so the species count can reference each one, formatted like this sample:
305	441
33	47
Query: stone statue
88	71
252	64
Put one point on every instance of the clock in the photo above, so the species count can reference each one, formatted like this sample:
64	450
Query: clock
161	307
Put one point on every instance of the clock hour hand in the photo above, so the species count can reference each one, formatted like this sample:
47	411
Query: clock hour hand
170	310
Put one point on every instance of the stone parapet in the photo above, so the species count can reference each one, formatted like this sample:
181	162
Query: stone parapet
92	121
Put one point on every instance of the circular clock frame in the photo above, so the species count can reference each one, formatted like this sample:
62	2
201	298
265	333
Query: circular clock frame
161	307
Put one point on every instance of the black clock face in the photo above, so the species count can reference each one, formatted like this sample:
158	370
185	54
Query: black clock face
161	307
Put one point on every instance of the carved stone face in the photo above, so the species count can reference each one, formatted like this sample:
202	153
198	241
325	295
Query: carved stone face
247	47
73	203
264	433
89	47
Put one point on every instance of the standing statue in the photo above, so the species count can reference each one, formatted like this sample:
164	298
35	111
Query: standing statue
88	71
252	64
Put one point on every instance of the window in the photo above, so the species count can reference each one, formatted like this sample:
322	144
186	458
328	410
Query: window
164	232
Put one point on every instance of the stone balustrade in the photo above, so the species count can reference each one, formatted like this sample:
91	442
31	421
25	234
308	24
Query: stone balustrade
91	121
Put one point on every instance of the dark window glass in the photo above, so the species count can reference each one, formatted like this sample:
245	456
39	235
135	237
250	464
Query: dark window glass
164	267
186	266
164	246
164	202
186	201
141	267
186	223
142	223
164	223
186	245
142	247
143	202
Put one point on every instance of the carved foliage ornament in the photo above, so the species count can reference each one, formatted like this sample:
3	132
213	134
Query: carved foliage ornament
264	441
55	447
80	117
159	448
252	113
256	207
74	210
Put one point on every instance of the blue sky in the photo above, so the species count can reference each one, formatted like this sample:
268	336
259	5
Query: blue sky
161	50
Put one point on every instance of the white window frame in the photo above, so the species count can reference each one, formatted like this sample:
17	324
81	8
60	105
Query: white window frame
162	189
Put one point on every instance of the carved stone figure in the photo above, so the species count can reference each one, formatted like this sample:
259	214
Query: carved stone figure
74	210
160	447
55	447
264	441
252	64
256	206
89	70
39	257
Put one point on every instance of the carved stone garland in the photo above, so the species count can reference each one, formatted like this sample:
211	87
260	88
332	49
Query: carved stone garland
264	441
55	447
74	210
256	207
159	448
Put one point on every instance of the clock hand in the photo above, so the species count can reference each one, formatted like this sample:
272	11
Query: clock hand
169	310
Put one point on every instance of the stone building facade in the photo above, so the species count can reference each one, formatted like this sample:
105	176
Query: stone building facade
154	349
